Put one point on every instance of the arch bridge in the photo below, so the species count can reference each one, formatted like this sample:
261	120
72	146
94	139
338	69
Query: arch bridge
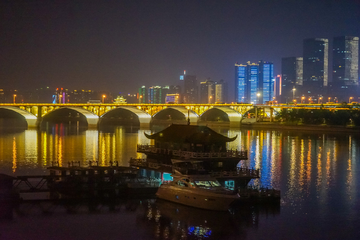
34	113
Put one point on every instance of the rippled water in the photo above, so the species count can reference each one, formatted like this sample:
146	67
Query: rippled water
317	173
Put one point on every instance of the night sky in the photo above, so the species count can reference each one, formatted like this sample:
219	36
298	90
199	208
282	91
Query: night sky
121	45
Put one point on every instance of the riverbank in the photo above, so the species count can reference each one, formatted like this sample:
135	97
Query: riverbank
303	127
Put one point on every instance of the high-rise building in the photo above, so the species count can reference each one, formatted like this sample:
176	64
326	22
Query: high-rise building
190	94
345	76
220	91
266	82
292	78
141	96
155	95
207	91
277	88
240	85
315	60
254	82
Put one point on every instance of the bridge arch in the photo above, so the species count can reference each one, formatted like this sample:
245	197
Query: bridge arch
91	119
144	118
233	116
187	113
31	119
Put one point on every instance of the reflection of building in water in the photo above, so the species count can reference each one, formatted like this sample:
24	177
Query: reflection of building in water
91	146
275	160
302	163
308	165
351	190
167	220
31	146
292	173
119	145
14	155
238	143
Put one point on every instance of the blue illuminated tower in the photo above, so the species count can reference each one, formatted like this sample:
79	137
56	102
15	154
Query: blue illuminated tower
266	81
240	83
254	82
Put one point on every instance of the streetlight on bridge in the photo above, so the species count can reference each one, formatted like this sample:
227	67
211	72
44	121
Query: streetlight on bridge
293	90
14	97
320	100
350	98
302	99
257	99
329	98
103	98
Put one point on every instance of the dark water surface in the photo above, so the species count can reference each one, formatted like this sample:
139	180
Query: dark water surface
318	175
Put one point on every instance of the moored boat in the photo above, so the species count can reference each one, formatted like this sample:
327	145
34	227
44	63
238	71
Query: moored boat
200	191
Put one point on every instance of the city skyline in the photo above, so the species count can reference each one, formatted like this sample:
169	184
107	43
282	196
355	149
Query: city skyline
127	44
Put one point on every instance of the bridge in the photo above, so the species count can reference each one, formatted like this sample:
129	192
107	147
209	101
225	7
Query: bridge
143	114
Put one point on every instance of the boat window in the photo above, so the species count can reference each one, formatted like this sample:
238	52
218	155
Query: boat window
207	184
180	183
202	183
215	183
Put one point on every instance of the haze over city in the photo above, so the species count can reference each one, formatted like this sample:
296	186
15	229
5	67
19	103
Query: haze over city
125	44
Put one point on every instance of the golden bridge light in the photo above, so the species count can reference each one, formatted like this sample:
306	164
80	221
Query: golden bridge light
14	97
320	100
103	98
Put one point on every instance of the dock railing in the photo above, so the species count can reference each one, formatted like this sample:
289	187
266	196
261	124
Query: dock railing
242	154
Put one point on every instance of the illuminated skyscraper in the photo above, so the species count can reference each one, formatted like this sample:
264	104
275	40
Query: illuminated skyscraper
345	77
254	82
141	96
292	78
315	59
155	95
240	85
277	87
266	82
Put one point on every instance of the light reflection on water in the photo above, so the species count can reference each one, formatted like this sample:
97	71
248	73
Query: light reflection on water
318	174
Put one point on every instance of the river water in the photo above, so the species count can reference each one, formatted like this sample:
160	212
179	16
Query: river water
318	174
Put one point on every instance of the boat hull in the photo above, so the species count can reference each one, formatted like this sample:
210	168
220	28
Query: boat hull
199	199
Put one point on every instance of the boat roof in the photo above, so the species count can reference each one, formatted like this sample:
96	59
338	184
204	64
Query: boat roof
190	134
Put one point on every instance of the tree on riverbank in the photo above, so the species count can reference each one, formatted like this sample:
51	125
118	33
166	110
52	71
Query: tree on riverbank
319	116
